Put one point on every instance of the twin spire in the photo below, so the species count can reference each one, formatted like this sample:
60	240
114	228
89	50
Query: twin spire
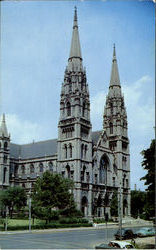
114	80
75	54
75	50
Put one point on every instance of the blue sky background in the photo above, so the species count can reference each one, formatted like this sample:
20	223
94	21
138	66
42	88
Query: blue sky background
35	45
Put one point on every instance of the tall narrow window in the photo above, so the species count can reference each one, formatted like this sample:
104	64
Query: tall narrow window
95	178
41	167
23	169
50	166
111	107
70	151
82	149
113	181
68	171
16	170
68	109
5	145
85	151
83	109
32	170
111	128
4	175
65	151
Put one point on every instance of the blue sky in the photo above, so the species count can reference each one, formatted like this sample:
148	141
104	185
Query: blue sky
35	45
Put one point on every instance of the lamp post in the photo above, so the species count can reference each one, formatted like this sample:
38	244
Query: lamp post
6	219
30	210
119	211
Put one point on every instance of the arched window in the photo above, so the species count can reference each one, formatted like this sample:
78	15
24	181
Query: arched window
104	164
111	107
23	169
41	167
111	128
32	169
68	171
83	109
16	170
70	150
82	149
50	166
68	109
4	175
5	145
5	158
23	185
65	151
85	151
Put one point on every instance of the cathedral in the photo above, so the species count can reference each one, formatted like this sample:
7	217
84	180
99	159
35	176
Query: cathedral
98	162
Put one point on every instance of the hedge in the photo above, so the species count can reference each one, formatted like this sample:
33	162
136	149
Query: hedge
47	226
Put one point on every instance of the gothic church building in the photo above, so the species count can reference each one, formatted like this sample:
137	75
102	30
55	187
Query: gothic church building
98	162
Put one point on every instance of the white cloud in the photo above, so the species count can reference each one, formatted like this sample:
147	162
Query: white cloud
140	109
22	131
97	105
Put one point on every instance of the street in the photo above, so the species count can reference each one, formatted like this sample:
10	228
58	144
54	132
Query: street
77	239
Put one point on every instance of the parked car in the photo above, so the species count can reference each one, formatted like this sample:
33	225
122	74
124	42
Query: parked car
125	234
115	244
146	231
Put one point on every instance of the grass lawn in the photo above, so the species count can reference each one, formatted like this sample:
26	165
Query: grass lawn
23	222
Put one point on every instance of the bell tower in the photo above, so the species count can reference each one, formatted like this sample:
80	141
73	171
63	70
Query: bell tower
115	124
74	127
4	155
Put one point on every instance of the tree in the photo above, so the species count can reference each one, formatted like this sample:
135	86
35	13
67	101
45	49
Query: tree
114	204
138	200
52	195
13	198
149	165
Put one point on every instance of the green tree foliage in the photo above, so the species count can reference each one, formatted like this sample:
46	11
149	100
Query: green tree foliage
14	198
114	204
52	195
138	200
149	165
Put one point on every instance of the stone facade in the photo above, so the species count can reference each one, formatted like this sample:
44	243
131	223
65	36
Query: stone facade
98	162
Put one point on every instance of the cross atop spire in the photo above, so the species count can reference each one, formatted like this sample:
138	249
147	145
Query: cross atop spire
114	52
3	127
75	51
115	80
75	14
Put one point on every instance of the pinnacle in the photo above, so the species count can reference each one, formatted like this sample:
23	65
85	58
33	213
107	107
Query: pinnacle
3	128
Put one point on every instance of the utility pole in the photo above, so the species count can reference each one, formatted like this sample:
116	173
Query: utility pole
30	210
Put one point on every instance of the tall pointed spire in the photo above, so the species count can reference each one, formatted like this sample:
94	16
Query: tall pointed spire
3	128
115	80
75	51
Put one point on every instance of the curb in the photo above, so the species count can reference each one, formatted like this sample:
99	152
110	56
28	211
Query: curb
95	227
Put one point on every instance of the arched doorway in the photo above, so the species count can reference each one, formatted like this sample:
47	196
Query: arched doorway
84	206
125	207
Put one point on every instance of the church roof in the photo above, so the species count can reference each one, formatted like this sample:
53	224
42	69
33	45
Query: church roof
34	150
40	149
